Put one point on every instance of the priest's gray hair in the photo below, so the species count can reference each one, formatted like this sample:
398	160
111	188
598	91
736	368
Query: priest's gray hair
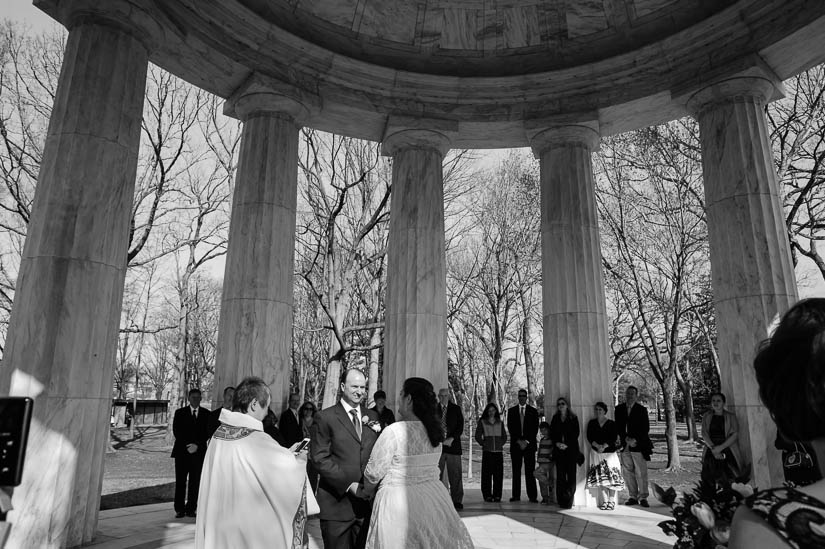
251	388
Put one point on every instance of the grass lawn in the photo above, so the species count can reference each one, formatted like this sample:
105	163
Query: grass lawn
141	472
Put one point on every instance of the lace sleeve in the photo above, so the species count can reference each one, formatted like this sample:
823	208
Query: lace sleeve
382	453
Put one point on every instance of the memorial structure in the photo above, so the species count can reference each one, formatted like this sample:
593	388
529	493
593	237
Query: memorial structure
421	77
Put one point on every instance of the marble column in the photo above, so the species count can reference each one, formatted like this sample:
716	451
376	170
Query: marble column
255	332
63	330
416	324
752	274
576	360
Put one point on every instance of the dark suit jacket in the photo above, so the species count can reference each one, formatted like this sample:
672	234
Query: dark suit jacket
531	428
214	421
290	430
187	430
455	426
340	459
637	426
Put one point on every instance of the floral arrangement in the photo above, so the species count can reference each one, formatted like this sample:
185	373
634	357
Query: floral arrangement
372	424
702	518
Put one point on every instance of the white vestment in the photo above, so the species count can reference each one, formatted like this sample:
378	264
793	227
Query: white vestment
252	491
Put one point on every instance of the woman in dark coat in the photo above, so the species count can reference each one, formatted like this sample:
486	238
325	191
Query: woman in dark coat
564	432
491	436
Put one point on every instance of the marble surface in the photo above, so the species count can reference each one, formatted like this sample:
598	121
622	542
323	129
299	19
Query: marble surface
752	273
576	354
255	331
416	328
61	343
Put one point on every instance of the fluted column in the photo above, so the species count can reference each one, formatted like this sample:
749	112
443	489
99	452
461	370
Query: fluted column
753	277
575	323
255	332
416	329
63	330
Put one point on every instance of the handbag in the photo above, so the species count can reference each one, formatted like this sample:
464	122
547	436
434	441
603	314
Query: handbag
798	458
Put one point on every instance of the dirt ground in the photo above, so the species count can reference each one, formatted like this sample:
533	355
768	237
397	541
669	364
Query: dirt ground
141	471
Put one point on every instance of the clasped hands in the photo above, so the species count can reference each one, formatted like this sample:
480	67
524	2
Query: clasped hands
358	490
191	447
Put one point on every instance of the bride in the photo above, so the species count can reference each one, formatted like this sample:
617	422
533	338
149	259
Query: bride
412	508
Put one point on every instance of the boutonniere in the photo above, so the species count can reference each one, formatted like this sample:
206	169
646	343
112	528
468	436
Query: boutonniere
372	424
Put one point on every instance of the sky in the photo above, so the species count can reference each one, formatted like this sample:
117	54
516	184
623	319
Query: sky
24	10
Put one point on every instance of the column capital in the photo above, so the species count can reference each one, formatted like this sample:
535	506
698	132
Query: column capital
417	133
758	83
260	94
585	133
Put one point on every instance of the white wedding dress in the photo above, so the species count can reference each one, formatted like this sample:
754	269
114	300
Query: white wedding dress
412	508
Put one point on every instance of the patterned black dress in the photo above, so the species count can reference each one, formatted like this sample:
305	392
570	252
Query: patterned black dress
796	516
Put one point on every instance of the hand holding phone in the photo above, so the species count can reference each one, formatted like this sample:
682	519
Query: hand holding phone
299	447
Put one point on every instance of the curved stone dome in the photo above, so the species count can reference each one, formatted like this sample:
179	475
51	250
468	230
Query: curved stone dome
486	72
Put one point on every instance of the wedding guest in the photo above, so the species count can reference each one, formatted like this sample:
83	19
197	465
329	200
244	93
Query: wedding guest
605	474
215	415
190	427
721	460
452	420
412	509
545	472
790	372
523	426
385	415
270	427
633	425
306	413
254	491
564	432
289	422
491	436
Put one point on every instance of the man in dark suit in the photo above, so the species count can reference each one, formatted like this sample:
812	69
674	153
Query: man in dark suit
288	424
339	451
633	425
452	421
191	428
523	426
215	415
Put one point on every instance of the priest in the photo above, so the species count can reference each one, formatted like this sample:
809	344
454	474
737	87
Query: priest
253	491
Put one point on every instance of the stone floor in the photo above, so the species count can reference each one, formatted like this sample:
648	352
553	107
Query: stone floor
493	526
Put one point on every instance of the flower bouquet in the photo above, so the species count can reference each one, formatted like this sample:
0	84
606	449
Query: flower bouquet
701	519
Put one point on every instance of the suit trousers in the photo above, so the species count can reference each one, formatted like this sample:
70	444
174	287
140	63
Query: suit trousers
345	534
187	466
492	474
528	457
452	462
634	470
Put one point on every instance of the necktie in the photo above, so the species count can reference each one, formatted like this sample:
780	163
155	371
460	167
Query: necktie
194	414
444	419
521	414
355	422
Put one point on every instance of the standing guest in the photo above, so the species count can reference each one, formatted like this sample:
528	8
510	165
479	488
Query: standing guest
721	461
289	424
790	372
254	492
342	440
605	474
523	425
190	427
633	425
270	427
491	436
385	415
307	413
215	415
452	421
564	432
546	470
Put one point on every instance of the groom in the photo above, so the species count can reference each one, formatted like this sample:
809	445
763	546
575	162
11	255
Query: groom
340	448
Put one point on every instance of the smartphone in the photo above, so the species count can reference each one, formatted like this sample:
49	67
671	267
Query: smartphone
299	447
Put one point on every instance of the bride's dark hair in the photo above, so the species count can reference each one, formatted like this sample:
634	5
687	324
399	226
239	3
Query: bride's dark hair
424	406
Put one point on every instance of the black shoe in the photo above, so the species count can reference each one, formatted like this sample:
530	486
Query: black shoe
488	499
458	506
180	514
631	501
515	499
644	503
191	514
545	501
496	500
534	500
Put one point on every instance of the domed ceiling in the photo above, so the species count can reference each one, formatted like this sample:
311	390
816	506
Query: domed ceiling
483	37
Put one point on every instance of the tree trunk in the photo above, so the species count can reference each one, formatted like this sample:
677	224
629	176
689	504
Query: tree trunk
178	397
333	372
374	360
674	462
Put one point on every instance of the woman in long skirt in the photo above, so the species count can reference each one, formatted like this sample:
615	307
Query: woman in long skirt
605	473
